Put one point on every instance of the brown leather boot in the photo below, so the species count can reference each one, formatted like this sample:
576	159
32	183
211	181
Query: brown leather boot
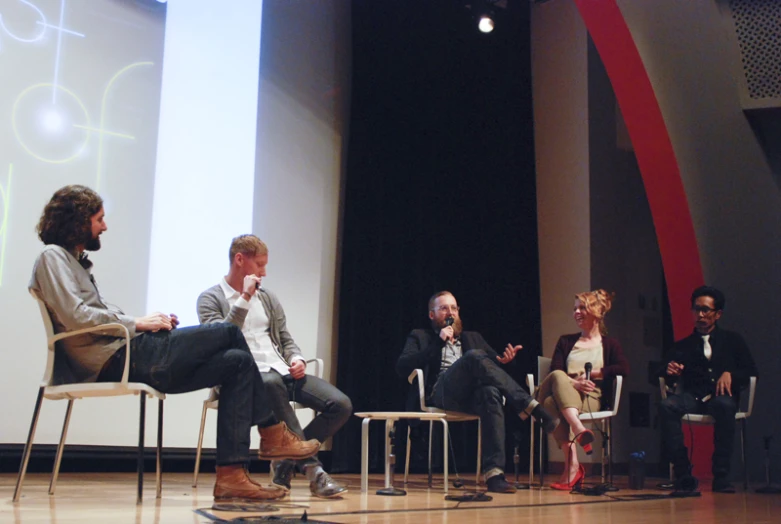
278	442
233	484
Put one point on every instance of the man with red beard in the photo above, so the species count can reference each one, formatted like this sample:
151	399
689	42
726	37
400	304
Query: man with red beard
464	374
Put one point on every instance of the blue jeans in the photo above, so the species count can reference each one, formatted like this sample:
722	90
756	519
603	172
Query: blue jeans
199	357
333	407
721	408
475	384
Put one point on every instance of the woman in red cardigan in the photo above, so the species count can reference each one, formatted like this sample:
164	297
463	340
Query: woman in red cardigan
566	393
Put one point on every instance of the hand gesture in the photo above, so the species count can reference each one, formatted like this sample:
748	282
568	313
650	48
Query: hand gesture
297	369
674	369
583	385
724	384
174	320
251	283
509	353
446	333
155	322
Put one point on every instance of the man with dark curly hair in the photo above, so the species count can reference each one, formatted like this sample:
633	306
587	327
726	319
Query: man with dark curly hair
168	359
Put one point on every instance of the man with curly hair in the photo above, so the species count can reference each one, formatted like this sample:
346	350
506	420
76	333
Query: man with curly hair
170	360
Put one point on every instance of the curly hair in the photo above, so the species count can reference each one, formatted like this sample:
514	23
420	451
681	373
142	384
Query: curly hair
598	303
66	219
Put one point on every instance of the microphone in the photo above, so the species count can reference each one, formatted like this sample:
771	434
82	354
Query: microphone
449	321
588	370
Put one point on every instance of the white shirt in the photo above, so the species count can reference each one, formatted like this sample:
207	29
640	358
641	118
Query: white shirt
582	353
256	330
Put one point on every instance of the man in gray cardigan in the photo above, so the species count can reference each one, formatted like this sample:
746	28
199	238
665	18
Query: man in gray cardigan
240	300
170	360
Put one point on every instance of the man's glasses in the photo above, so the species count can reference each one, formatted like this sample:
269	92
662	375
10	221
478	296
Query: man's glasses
705	310
448	309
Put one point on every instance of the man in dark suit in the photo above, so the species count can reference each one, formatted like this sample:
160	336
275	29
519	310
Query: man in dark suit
464	374
713	365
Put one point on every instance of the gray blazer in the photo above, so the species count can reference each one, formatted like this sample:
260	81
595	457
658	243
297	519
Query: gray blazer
213	307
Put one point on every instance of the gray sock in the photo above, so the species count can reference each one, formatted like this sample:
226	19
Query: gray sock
312	471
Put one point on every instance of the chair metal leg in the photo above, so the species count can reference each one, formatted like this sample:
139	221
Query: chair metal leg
543	449
388	431
479	452
159	474
605	453
28	446
406	461
743	453
531	452
610	449
140	460
430	436
445	433
197	468
365	455
60	447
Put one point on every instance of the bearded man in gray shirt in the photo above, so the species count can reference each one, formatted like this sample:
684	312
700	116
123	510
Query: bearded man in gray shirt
168	359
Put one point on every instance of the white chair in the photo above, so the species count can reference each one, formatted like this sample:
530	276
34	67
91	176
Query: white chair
89	389
691	418
605	418
449	416
213	402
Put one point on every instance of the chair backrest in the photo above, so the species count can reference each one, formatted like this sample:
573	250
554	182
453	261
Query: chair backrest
543	368
617	386
49	327
418	374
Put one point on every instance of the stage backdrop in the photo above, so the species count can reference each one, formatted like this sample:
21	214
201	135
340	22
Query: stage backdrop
196	121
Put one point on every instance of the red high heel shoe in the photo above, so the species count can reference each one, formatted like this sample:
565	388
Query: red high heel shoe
585	438
564	486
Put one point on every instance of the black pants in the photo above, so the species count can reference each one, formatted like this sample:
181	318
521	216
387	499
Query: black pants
722	408
475	384
199	357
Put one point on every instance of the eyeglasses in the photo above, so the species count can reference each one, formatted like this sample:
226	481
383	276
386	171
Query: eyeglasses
705	310
448	309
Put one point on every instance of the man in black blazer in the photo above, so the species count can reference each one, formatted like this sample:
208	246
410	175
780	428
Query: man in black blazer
713	364
463	374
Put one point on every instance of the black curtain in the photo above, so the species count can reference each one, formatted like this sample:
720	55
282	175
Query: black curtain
440	194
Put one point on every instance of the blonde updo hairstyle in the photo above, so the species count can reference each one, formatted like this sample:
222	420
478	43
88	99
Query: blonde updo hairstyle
598	303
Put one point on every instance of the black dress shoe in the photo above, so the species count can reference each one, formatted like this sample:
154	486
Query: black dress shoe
499	484
543	417
722	486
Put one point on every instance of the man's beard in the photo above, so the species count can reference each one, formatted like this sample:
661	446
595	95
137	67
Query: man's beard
457	326
93	244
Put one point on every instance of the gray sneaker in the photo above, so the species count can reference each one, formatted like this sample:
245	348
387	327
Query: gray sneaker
283	474
325	487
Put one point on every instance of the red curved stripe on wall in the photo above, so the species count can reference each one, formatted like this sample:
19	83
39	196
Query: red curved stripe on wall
654	152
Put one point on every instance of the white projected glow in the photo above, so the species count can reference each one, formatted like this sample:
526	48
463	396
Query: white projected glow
205	172
52	121
156	106
38	35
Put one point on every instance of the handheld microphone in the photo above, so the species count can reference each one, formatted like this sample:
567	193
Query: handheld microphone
588	370
449	321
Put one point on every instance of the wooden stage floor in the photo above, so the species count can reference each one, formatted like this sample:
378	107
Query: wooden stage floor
110	498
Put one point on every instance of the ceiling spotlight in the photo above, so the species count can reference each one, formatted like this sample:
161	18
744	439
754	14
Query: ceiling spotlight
485	24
